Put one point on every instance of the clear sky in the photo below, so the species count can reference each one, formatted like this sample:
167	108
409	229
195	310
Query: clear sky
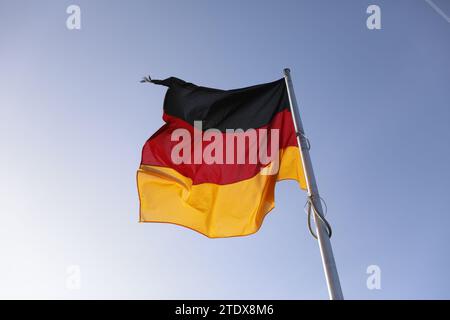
74	117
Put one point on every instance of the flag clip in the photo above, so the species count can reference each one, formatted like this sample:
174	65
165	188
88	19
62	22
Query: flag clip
303	137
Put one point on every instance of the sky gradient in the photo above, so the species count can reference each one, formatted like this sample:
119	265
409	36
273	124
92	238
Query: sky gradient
73	119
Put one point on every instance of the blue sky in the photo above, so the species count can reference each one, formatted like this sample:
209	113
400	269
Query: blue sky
74	117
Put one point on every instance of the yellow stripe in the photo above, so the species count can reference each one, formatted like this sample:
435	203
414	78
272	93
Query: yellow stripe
235	209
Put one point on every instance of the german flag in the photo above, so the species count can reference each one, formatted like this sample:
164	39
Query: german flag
213	165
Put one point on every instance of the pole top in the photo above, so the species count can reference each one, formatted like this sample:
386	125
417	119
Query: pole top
287	71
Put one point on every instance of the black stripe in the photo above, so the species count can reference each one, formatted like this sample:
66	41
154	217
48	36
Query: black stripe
244	108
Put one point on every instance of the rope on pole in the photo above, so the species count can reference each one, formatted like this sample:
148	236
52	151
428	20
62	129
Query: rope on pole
310	206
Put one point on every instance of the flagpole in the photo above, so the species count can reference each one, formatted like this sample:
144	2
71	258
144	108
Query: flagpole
326	251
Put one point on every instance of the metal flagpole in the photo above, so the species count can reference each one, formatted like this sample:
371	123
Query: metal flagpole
322	229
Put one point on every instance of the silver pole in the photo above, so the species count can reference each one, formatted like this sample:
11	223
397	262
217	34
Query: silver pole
326	251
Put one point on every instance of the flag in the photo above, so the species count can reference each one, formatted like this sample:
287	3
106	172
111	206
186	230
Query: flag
213	165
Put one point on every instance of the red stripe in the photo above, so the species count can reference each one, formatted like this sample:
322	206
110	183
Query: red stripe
157	151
